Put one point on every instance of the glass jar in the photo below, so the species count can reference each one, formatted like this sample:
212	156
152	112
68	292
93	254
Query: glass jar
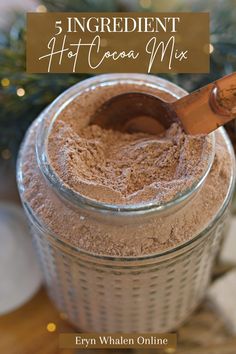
99	292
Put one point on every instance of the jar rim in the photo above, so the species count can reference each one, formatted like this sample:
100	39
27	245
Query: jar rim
79	200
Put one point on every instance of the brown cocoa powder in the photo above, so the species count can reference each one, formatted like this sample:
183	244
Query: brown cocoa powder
112	235
120	168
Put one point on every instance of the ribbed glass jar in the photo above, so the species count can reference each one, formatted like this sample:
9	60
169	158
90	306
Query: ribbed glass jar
99	292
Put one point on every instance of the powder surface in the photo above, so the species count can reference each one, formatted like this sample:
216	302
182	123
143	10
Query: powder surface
120	168
117	235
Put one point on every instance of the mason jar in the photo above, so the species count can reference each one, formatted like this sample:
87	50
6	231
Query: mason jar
143	292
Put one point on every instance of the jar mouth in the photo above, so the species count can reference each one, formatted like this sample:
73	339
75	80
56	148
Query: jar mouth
79	200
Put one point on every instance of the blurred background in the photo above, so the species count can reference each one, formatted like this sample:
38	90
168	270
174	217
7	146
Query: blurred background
31	327
23	96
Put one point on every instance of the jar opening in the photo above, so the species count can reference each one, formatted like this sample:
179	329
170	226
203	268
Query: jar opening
62	106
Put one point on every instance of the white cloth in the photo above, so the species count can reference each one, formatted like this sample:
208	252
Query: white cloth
20	276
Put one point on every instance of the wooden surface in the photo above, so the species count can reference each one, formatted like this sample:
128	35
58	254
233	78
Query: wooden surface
24	331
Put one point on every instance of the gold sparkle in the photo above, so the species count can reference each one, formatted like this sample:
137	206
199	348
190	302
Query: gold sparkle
20	92
5	82
211	48
208	48
6	154
41	8
51	327
146	4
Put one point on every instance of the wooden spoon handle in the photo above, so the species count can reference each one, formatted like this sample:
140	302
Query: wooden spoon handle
208	108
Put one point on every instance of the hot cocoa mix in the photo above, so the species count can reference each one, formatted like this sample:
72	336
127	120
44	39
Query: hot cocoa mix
115	167
124	169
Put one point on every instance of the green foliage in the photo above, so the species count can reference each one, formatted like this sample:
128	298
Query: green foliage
16	113
81	5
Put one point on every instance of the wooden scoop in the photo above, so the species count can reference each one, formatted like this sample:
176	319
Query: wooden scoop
200	112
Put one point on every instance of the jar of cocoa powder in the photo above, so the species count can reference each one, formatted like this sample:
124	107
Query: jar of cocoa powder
126	226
